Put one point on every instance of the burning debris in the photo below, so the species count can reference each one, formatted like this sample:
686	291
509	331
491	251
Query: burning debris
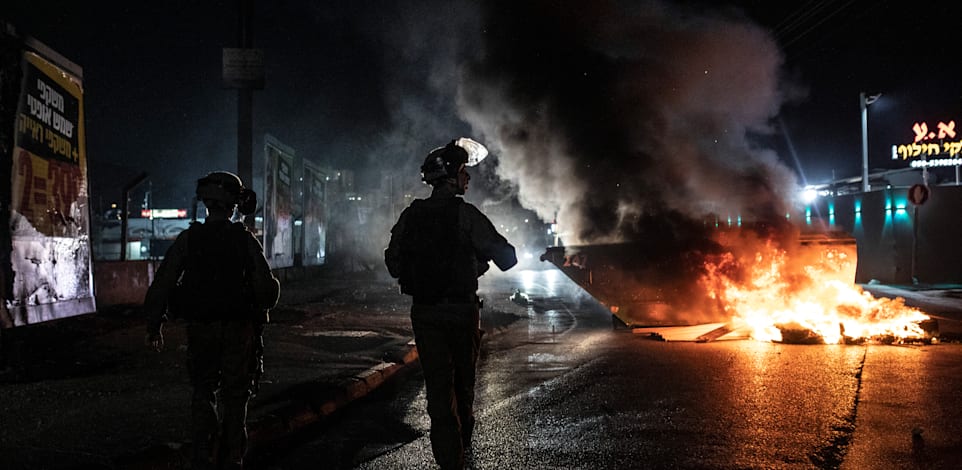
805	295
766	284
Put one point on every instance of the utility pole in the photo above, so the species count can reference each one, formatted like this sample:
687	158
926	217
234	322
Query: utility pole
863	102
245	104
124	209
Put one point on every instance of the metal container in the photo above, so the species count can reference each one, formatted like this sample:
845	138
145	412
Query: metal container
657	282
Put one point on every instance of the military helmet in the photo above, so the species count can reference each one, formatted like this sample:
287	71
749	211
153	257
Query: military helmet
226	188
445	162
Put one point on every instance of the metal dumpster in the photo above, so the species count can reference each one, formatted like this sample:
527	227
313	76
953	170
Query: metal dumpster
658	281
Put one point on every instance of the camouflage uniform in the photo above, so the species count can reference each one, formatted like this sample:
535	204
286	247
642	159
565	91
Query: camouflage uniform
223	331
439	246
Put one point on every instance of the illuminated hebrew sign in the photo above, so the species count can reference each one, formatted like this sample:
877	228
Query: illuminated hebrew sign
931	145
922	132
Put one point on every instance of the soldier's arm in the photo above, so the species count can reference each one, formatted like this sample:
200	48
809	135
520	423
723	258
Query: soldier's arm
267	289
489	244
392	254
155	302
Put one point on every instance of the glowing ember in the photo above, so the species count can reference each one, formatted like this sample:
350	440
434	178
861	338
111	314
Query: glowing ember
811	298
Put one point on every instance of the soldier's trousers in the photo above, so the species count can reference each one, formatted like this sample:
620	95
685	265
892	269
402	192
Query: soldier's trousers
448	341
220	359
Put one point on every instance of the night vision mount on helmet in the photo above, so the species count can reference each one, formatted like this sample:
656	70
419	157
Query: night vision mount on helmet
445	162
225	187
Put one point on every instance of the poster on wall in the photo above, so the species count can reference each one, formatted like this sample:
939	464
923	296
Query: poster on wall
49	215
278	204
315	215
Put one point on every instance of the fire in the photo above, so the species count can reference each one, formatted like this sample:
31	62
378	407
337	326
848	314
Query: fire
804	296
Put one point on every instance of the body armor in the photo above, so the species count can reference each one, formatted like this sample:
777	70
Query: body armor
437	259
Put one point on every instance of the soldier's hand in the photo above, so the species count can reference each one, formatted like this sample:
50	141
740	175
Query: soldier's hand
482	267
155	341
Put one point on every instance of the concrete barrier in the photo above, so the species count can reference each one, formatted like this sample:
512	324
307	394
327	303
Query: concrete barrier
126	282
122	282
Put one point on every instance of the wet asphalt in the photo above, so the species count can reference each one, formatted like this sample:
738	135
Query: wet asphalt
85	392
560	388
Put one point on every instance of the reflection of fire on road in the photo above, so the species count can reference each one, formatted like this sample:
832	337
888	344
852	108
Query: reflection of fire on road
807	296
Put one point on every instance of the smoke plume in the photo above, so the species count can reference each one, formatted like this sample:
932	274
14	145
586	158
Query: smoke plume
614	119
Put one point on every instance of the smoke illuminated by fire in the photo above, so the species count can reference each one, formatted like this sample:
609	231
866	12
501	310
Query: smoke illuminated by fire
806	296
633	122
603	115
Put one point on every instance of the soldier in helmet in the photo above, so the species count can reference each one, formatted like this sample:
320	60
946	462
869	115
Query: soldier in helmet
438	249
216	278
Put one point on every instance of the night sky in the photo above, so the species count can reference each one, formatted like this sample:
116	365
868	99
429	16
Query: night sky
901	49
375	85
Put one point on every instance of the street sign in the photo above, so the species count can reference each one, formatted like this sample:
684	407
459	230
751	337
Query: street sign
918	194
243	68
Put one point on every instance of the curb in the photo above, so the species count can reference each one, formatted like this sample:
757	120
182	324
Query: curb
281	423
293	417
298	416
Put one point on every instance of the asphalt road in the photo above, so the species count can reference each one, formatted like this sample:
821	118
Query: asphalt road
561	388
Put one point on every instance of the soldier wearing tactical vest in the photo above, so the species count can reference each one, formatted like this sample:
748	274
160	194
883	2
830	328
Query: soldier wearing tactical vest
216	278
438	249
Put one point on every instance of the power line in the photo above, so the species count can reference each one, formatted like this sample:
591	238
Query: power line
824	18
798	18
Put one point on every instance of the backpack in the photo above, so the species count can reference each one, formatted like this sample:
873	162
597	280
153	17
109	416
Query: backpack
215	284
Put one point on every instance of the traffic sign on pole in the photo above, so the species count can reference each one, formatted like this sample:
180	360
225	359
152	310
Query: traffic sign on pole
918	194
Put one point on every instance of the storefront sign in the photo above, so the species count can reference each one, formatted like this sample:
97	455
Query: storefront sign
163	213
934	146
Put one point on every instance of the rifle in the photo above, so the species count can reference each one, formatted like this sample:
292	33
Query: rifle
257	362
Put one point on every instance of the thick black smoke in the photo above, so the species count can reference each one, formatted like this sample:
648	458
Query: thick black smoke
612	119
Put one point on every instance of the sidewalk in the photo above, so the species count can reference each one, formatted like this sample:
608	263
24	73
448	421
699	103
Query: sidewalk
942	302
89	394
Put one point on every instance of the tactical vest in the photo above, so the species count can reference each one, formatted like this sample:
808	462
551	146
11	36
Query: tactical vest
437	258
215	284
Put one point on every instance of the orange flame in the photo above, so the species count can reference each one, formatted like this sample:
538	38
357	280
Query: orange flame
770	292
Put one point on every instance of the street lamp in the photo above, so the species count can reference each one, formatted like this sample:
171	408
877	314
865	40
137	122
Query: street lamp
863	102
